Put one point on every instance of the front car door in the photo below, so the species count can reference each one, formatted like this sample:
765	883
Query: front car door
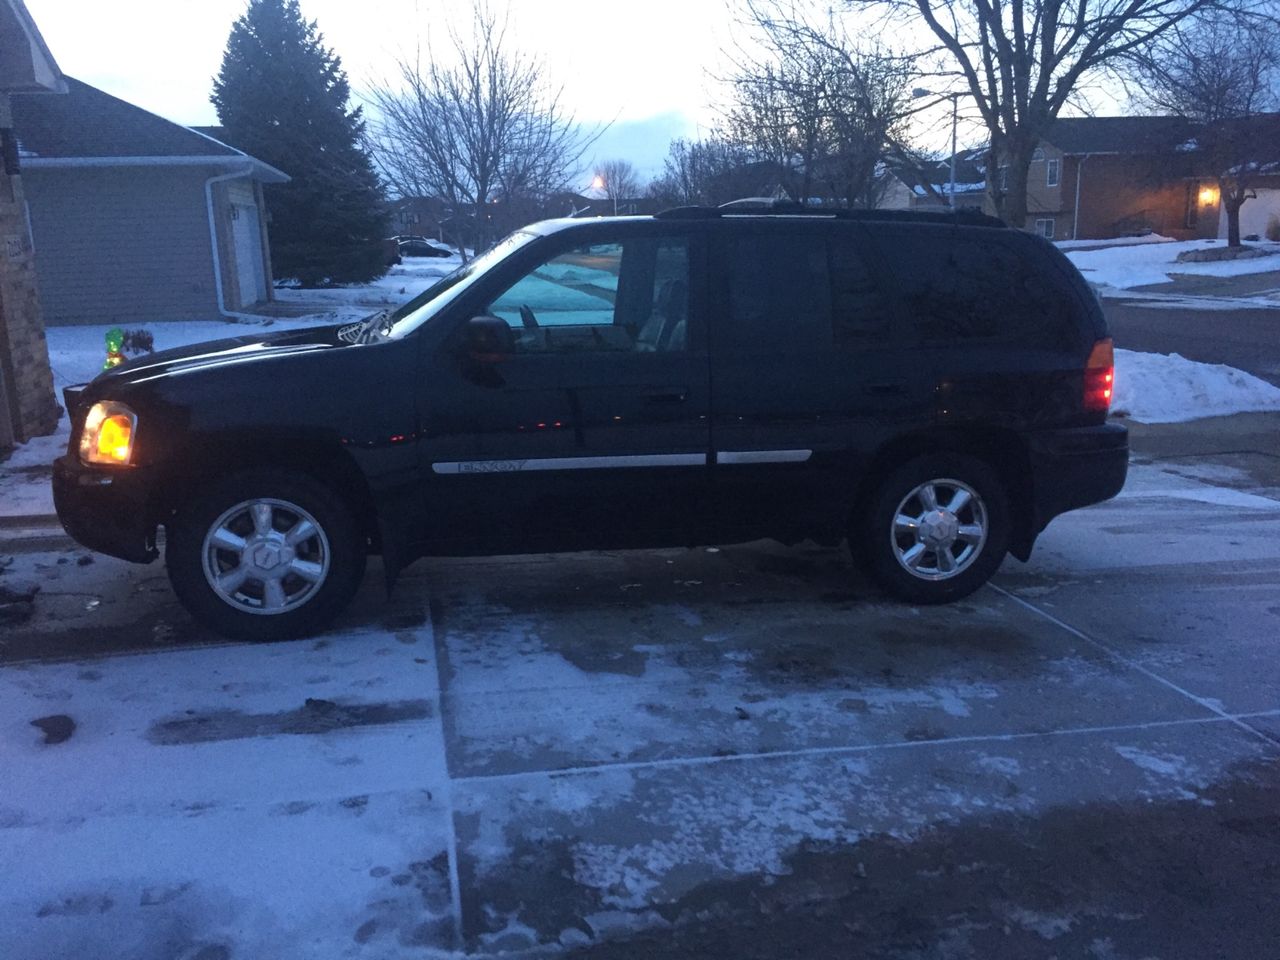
591	430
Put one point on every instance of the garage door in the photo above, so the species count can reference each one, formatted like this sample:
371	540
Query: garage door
1256	215
247	241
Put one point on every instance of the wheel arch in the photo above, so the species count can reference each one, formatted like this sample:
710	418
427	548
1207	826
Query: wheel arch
1002	449
205	460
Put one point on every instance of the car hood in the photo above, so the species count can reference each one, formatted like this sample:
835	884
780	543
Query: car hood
222	353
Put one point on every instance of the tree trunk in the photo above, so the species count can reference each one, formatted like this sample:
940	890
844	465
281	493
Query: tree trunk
1232	200
1011	206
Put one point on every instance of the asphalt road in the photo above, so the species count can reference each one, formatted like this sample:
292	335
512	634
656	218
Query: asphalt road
1246	339
736	753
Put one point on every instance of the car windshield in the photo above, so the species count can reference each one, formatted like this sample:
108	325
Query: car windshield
428	304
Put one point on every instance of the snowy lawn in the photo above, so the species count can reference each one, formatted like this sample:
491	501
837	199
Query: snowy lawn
1137	265
401	283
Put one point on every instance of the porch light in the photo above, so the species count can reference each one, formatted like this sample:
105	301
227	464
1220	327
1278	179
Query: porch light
1208	196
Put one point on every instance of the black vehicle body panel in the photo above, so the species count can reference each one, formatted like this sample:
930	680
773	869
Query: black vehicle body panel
438	452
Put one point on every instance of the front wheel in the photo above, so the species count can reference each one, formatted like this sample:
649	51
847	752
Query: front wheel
265	555
935	530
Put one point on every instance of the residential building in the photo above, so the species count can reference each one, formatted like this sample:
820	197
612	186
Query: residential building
136	218
28	406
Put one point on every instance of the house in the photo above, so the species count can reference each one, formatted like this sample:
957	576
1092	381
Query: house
907	184
1100	177
28	407
135	218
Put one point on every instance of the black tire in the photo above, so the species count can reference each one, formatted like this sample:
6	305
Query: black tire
337	550
876	541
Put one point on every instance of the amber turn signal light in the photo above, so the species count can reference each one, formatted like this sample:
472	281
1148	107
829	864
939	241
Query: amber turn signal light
108	434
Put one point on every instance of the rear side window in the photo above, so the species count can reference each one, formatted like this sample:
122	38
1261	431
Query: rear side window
859	313
957	286
779	293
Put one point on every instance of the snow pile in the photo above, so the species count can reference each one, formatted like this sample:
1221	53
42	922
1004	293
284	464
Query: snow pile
1112	242
1146	263
1169	388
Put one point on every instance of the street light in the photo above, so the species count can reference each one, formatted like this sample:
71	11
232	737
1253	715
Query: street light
919	92
599	184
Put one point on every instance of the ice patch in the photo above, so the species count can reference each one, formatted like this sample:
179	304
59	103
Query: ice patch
1006	766
1164	764
1047	925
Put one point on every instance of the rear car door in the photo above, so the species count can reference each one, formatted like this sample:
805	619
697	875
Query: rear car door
811	374
594	430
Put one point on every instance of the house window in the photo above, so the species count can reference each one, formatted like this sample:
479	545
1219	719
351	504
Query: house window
1044	227
1051	173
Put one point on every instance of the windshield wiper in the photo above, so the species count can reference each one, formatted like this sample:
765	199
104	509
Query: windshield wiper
374	326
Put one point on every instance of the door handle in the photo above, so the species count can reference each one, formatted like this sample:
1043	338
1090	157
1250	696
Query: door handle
672	395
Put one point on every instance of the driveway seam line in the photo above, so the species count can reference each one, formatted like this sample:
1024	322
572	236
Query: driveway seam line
451	833
1134	665
677	762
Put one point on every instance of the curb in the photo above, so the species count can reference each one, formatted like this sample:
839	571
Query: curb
33	534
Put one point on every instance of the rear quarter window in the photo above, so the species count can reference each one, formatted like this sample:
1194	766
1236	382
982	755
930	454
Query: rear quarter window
967	285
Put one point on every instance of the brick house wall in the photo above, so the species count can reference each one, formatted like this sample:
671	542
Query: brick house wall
32	408
1122	195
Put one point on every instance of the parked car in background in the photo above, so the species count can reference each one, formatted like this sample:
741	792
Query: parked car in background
422	247
932	388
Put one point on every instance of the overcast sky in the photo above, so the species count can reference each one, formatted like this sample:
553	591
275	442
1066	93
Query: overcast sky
644	66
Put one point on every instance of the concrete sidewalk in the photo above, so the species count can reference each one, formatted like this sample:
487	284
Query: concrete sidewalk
1241	451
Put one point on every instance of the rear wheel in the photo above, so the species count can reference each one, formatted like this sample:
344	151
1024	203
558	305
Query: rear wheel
936	529
265	555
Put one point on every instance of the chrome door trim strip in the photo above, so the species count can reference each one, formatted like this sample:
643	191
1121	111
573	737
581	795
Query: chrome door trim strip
763	456
571	463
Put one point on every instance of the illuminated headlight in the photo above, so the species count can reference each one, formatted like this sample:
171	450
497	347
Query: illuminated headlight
109	430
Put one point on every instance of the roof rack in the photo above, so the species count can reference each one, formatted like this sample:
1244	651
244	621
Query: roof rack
784	208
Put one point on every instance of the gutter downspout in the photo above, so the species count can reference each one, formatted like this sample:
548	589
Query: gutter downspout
1075	217
213	245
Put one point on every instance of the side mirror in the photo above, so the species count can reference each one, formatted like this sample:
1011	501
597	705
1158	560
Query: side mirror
489	339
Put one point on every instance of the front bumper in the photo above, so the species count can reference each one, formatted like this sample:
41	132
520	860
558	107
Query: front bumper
1076	467
107	510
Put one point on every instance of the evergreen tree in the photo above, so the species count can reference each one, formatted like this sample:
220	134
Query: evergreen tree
281	96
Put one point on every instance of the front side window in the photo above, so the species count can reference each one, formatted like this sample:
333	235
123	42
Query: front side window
630	295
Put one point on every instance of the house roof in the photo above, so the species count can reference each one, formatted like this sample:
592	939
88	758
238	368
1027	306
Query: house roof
914	174
88	127
1117	135
25	61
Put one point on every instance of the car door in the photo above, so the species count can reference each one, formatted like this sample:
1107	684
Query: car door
592	429
811	374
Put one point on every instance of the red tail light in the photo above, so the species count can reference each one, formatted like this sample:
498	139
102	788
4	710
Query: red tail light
1100	377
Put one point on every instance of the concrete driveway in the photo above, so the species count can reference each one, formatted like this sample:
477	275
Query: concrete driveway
739	753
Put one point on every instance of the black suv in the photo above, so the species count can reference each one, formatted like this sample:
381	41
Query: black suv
934	388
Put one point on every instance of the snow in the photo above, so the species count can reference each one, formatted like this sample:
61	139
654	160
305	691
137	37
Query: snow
1168	388
138	843
1112	242
1137	265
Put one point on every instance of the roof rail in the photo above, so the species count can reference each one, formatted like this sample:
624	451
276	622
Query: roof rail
962	217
